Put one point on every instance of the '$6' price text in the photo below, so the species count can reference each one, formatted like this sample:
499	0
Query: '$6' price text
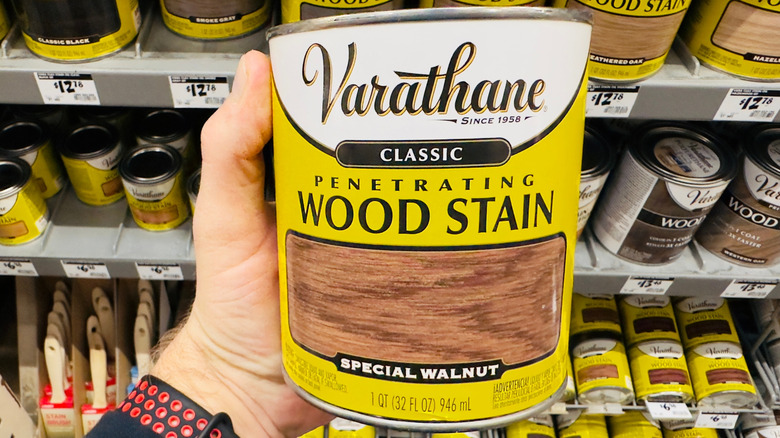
420	404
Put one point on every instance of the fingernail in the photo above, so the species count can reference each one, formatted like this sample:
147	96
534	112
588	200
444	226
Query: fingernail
240	80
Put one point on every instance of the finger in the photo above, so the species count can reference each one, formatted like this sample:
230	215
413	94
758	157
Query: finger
234	219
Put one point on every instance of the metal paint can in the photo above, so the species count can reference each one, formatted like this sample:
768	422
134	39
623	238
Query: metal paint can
667	181
458	3
315	433
467	434
53	116
31	142
602	372
744	227
78	30
741	38
647	317
534	427
577	424
660	372
594	312
215	20
598	159
720	376
154	186
91	154
297	10
5	23
416	233
705	320
193	188
167	126
634	424
23	213
341	428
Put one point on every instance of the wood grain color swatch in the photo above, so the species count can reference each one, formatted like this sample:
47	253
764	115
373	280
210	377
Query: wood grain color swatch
668	376
162	216
426	306
628	37
747	29
212	8
727	375
13	230
597	372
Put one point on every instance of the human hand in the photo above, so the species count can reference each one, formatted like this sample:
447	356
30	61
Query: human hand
227	357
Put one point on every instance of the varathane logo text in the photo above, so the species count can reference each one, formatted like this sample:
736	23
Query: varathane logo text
436	91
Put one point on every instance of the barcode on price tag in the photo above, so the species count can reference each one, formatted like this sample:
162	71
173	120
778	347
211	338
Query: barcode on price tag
646	285
157	271
80	269
22	268
748	289
668	411
67	89
749	105
610	101
716	421
198	91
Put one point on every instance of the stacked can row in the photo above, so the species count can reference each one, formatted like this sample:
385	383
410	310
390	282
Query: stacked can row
40	152
701	362
676	182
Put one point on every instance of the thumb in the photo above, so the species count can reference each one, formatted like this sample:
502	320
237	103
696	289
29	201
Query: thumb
232	221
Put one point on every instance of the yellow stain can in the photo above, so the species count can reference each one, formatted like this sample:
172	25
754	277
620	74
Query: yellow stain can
535	427
634	424
705	320
342	428
577	424
23	212
602	372
457	3
647	317
417	180
215	20
594	312
297	10
660	373
91	154
720	376
5	23
31	142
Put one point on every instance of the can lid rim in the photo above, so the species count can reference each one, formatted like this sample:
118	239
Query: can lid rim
26	173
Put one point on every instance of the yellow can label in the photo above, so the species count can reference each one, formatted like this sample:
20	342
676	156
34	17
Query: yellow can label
634	424
536	427
96	181
694	432
227	26
631	38
341	428
47	172
297	10
5	23
659	367
738	37
316	433
601	363
83	47
456	3
158	207
470	434
718	367
647	317
705	320
23	216
594	312
417	182
576	424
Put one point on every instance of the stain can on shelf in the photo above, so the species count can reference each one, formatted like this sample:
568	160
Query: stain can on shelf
426	175
705	320
659	371
687	429
594	312
341	428
297	10
91	154
215	19
170	127
575	424
631	38
648	317
535	427
154	186
193	188
5	23
465	434
601	371
23	212
741	38
459	3
598	158
744	226
32	142
720	376
667	181
78	30
634	424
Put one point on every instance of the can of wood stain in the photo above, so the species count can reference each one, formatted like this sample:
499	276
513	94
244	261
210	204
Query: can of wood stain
720	376
667	181
598	159
705	320
634	424
23	212
647	317
91	154
659	372
215	19
418	180
601	371
31	141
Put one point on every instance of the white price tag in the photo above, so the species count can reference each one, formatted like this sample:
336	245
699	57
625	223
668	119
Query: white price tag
610	101
22	268
748	289
646	285
604	409
157	271
668	411
198	91
79	269
749	105
716	421
67	88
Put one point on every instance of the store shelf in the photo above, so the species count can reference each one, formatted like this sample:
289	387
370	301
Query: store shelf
103	235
